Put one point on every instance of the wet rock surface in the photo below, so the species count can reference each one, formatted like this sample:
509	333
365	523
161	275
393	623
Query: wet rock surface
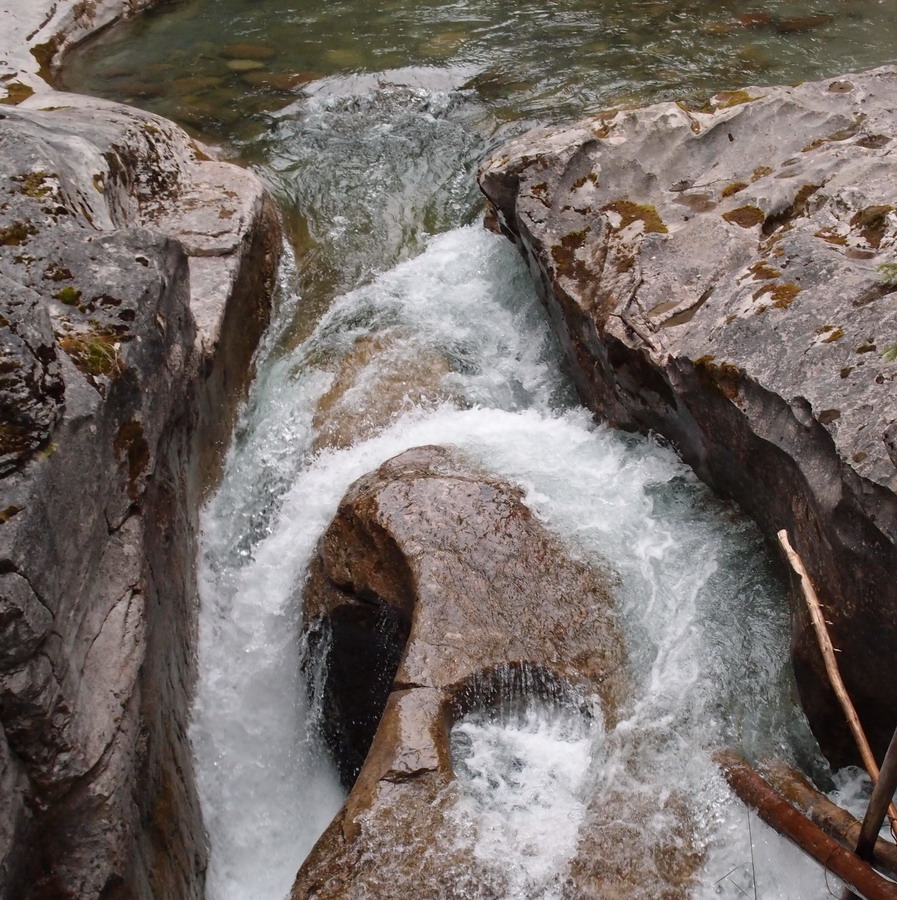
435	591
135	281
712	273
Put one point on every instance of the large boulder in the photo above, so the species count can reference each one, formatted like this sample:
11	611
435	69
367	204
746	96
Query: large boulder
435	591
135	281
712	271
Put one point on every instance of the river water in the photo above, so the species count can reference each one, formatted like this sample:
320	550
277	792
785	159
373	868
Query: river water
400	321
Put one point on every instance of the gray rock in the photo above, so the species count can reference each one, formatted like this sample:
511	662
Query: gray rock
136	276
712	275
30	381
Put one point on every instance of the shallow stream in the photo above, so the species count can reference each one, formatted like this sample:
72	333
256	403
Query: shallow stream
400	321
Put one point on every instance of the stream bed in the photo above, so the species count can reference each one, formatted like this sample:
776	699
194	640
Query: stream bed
401	321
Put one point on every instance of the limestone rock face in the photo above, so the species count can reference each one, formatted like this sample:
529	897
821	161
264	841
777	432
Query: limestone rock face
135	280
712	275
434	589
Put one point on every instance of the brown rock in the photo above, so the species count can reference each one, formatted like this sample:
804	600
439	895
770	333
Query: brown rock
436	592
248	51
355	408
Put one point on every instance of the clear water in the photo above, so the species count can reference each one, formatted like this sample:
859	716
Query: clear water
401	322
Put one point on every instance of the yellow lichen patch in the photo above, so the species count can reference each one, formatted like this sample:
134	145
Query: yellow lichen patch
872	223
761	271
34	184
783	296
630	212
564	255
733	188
724	378
540	192
831	236
16	92
745	216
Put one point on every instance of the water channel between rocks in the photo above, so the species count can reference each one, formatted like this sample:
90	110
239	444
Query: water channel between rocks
400	321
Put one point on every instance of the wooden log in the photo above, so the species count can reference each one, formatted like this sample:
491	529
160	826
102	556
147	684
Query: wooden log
879	802
831	668
831	818
787	821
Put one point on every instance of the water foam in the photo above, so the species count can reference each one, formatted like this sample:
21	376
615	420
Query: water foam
700	605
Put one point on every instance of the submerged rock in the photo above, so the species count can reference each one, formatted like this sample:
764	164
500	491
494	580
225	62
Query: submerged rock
436	592
712	274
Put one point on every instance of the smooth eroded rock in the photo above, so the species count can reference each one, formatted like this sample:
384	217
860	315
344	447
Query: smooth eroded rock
436	592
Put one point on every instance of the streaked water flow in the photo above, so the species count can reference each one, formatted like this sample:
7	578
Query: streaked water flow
401	322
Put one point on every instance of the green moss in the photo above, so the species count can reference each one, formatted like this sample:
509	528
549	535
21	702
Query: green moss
630	212
16	234
55	272
94	353
745	216
888	273
68	295
34	184
44	54
723	378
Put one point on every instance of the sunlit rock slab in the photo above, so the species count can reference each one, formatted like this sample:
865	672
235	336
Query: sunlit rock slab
712	272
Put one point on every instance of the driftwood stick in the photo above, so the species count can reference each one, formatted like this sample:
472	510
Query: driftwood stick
787	821
833	820
879	802
831	667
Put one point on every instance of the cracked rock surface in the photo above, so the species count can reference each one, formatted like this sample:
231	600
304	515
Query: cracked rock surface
712	274
434	587
135	281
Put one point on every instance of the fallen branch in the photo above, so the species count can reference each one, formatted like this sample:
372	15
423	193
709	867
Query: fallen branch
879	803
787	821
834	821
831	667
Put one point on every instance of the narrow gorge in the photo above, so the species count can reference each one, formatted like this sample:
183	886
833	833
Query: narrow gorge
399	407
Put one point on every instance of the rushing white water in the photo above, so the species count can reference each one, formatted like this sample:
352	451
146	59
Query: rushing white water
524	780
703	614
